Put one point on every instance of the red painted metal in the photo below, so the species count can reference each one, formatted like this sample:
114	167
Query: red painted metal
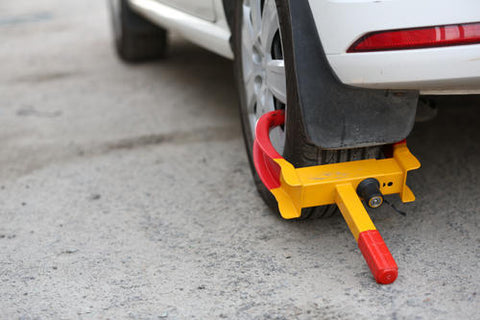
378	257
263	151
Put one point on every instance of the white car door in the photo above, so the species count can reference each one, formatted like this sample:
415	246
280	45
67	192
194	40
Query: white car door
201	8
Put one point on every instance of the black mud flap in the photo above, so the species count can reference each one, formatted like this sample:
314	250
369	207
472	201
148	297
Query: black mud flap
336	115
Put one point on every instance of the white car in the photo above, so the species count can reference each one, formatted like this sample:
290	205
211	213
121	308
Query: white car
349	73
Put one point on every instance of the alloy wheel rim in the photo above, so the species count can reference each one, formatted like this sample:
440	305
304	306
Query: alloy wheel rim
263	64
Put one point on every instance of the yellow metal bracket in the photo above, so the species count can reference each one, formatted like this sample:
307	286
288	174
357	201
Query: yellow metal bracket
323	184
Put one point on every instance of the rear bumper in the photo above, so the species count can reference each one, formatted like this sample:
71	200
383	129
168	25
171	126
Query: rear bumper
448	69
341	22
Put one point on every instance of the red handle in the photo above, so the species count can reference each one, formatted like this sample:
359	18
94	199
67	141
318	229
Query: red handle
378	257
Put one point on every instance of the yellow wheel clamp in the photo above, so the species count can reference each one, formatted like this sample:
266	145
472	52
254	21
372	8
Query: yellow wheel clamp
343	184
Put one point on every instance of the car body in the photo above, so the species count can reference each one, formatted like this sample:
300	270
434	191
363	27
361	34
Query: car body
348	74
437	70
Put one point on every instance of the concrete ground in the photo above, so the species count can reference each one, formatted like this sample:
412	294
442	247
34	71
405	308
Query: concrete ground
125	192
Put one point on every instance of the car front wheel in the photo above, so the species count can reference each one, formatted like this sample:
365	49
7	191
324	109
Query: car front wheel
136	38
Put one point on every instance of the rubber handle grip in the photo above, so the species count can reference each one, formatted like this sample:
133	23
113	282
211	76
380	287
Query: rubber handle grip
378	257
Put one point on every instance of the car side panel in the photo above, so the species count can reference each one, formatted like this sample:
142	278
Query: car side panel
214	36
199	8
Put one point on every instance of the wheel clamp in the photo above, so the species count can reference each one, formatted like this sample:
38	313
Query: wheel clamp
343	184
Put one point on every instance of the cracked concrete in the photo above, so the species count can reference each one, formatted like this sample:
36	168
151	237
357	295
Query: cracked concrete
125	193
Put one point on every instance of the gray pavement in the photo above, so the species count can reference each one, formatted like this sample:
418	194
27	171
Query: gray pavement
125	193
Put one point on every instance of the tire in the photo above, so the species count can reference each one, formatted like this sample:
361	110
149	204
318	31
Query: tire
296	148
136	39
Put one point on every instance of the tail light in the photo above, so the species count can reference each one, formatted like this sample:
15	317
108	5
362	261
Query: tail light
439	36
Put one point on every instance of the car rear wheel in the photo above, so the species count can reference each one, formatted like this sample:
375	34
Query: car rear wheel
262	68
136	38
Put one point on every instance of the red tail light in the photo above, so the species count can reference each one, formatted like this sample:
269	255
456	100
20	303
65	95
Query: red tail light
440	36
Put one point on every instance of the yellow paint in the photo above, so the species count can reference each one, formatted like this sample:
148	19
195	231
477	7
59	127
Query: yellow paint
317	186
408	162
353	210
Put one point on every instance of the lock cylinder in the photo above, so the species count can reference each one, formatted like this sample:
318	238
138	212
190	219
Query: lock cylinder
369	190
